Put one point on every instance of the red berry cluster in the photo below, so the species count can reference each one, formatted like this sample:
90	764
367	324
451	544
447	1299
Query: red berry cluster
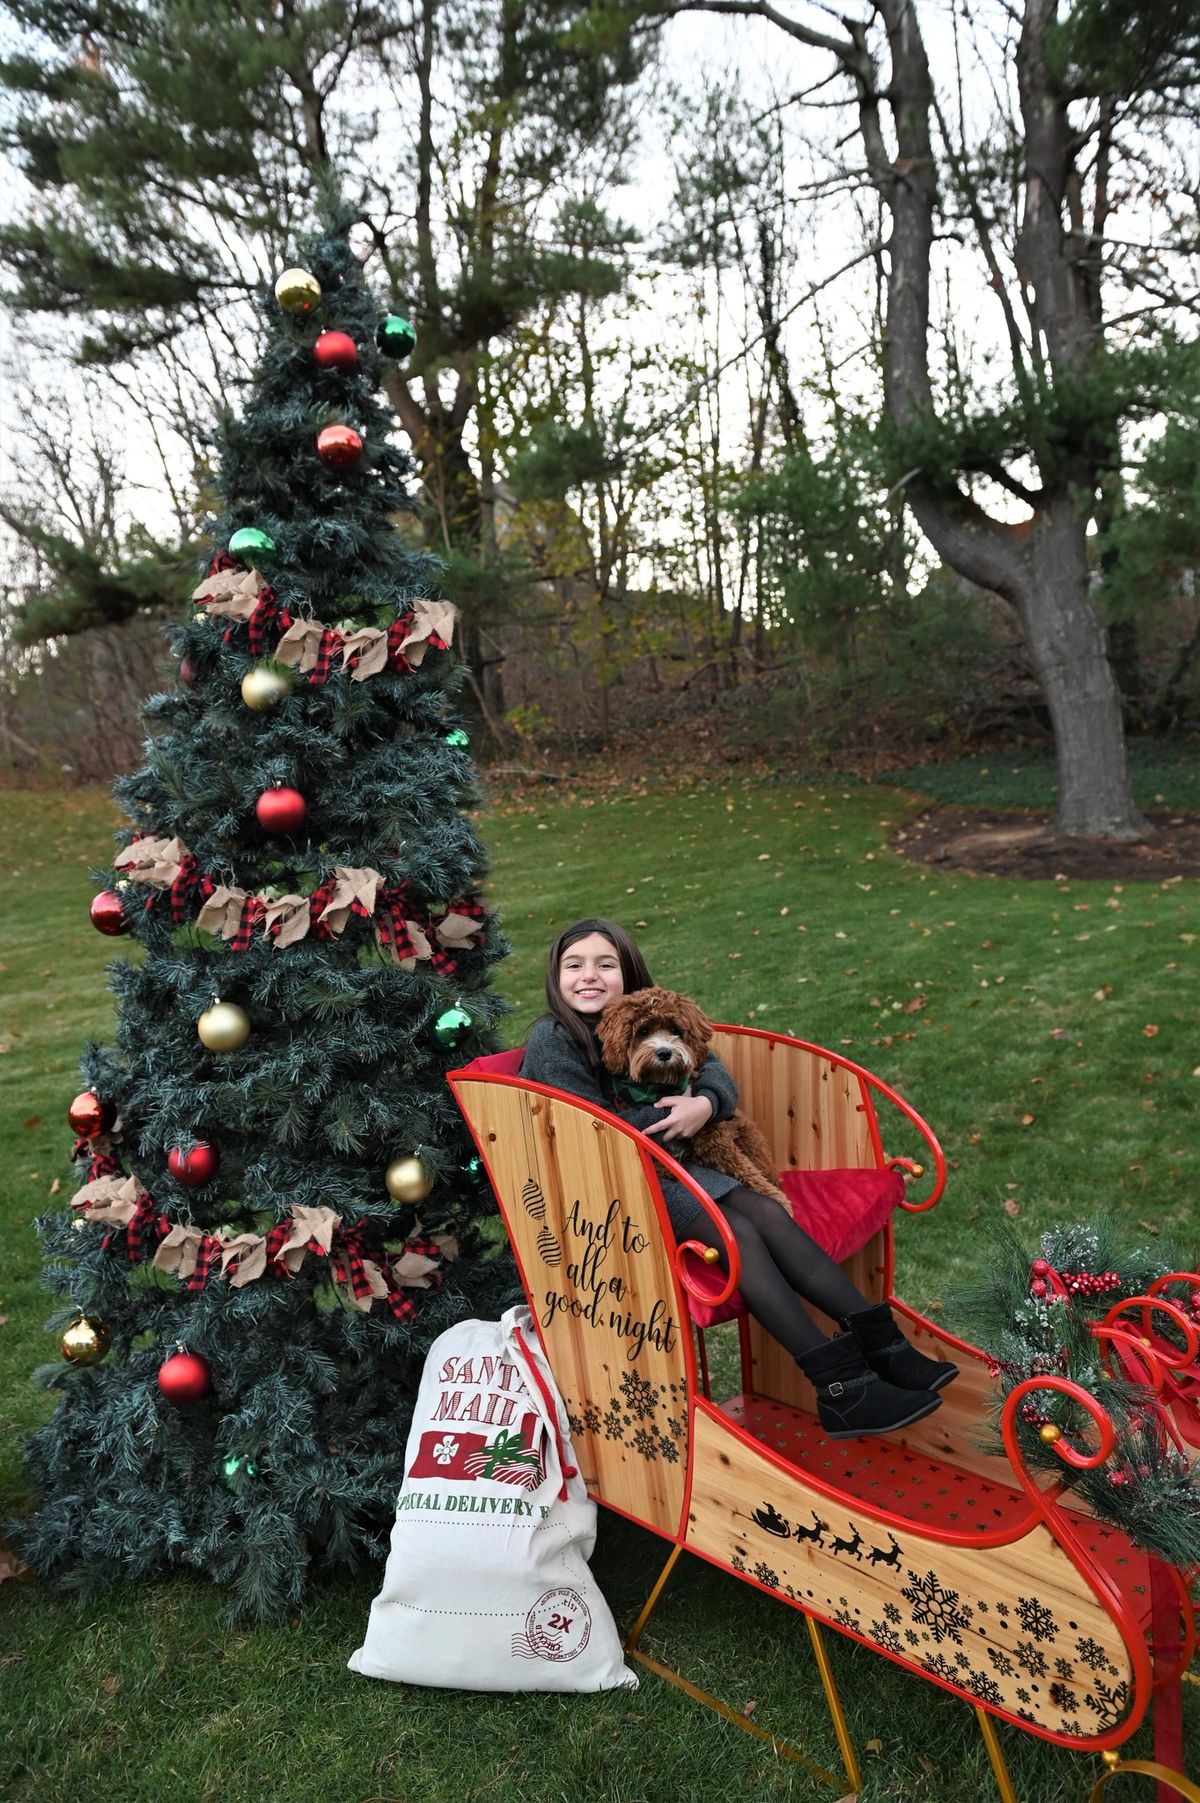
1091	1283
1033	1416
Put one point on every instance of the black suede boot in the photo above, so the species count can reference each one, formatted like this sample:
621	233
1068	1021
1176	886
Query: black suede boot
888	1352
852	1399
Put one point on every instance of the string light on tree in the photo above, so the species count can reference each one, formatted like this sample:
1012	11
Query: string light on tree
236	1470
224	1027
297	291
85	1341
458	738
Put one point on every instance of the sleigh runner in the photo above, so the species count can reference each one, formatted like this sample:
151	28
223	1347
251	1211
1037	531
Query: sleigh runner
920	1545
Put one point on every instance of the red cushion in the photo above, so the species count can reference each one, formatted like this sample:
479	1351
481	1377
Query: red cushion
504	1064
840	1209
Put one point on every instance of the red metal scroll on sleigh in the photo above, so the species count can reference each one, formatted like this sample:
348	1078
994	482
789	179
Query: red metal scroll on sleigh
952	1563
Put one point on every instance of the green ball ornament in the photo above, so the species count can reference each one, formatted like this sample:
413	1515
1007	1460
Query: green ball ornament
252	541
449	1028
459	738
395	336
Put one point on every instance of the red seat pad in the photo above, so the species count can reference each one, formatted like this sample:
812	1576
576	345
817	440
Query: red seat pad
841	1210
501	1064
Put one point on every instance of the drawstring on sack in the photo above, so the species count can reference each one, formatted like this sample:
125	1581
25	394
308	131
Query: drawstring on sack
568	1471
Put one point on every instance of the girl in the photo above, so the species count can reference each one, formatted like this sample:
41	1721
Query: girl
868	1379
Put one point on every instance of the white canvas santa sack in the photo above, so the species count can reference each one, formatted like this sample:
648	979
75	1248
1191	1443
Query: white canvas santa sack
487	1585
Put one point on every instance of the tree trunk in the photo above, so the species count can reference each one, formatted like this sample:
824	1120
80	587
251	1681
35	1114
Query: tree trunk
1067	645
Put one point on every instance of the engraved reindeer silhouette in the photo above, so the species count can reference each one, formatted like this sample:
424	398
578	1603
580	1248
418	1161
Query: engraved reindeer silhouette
850	1547
817	1532
879	1557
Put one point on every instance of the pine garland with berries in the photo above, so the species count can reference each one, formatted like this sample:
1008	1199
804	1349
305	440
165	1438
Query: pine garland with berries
1034	1318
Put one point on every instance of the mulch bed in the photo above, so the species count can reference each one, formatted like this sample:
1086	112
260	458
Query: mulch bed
1006	843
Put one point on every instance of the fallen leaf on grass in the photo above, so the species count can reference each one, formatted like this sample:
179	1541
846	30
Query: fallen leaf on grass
33	1120
110	1686
1150	1227
1027	1120
1149	1031
874	1746
11	1566
1012	1209
55	1186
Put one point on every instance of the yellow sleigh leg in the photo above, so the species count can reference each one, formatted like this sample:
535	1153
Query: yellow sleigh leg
782	1748
1147	1768
995	1753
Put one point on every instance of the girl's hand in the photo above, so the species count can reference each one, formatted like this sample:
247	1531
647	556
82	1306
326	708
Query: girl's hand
682	1116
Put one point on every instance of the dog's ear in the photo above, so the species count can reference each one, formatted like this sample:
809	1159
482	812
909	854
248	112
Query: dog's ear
694	1028
614	1029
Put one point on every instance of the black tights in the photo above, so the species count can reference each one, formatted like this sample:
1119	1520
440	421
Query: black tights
779	1258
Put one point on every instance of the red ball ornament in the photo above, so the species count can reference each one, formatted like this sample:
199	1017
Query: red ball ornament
1039	1267
108	914
339	447
336	350
1118	1479
194	1168
187	672
88	1116
185	1377
281	810
1037	1287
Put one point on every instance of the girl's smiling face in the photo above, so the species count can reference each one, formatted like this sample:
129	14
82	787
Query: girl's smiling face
589	974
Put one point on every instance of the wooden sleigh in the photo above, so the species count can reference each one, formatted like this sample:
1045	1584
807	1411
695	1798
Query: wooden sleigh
949	1561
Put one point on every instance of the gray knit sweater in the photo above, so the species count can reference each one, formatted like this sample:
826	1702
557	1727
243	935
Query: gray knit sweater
552	1057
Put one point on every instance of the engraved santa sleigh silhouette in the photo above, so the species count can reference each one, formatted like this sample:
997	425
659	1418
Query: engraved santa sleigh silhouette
952	1563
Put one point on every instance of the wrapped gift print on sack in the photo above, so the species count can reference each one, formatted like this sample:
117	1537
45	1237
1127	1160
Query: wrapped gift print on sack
487	1585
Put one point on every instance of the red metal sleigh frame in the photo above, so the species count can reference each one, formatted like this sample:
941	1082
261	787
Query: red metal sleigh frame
549	1156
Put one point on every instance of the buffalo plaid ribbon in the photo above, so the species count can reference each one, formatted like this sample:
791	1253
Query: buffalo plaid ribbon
102	1165
253	913
267	612
402	1306
329	647
446	962
320	899
276	1239
207	1255
144	1219
350	1250
188	884
393	912
224	560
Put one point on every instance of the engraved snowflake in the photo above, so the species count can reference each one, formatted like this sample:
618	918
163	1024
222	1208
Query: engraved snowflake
936	1609
940	1667
892	1614
984	1687
1001	1661
668	1449
1063	1695
641	1398
1022	1694
764	1574
1065	1669
886	1636
1094	1656
1108	1704
645	1441
845	1619
737	1563
614	1426
1033	1661
591	1418
1035	1618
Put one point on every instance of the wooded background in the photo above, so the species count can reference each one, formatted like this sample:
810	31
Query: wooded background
825	383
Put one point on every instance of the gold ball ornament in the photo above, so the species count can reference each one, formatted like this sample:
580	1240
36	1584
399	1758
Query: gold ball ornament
265	687
224	1027
297	291
86	1341
1050	1433
407	1180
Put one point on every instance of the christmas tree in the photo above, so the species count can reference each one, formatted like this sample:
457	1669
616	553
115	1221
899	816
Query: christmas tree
279	1206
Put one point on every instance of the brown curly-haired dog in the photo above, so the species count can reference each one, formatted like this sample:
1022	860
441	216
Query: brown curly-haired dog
657	1040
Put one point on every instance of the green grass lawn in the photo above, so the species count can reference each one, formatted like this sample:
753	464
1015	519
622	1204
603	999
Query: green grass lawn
1048	1033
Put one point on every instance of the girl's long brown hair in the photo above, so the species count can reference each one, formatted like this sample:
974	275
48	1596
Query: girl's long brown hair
633	973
